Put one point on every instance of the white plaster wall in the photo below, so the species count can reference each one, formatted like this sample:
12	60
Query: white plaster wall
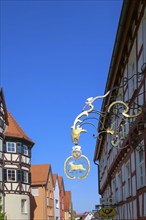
56	196
140	204
144	203
135	209
13	207
11	166
1	143
144	36
25	168
132	162
26	159
140	40
14	156
140	97
0	178
133	186
8	157
0	174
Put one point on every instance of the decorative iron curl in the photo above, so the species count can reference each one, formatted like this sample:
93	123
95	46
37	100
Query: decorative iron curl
126	109
77	129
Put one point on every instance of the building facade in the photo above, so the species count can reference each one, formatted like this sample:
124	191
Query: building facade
61	195
42	192
121	149
56	198
15	155
67	205
3	125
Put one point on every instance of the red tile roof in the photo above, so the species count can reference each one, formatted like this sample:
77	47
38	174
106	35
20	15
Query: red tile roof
4	105
55	176
39	174
14	130
60	179
61	183
67	201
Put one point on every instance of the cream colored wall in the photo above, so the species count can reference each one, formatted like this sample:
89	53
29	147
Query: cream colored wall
13	207
39	207
50	207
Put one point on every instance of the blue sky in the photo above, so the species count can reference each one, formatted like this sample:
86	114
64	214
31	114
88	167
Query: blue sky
54	55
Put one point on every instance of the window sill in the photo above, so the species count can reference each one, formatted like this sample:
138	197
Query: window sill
24	213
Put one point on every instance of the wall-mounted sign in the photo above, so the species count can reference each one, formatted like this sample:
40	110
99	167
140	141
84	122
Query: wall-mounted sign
107	201
107	212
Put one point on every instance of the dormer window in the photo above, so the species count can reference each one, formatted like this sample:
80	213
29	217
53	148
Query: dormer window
11	147
25	150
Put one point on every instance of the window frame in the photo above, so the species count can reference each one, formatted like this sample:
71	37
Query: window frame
25	175
24	209
35	191
9	180
141	168
57	203
128	179
25	150
10	151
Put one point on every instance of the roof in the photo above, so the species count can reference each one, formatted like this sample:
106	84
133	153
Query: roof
60	181
4	105
84	215
55	176
128	9
39	174
67	200
14	130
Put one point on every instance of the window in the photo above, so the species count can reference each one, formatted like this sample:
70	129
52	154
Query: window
35	191
119	186
11	147
11	175
128	180
24	206
57	203
51	194
25	177
62	206
141	168
114	188
47	201
25	150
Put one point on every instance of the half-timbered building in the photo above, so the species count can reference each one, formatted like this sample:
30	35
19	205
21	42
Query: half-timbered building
3	125
121	148
16	156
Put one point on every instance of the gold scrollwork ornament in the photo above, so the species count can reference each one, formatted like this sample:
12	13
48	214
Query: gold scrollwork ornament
126	110
77	165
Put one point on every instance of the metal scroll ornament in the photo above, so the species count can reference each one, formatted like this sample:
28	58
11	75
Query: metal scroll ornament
116	118
77	165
